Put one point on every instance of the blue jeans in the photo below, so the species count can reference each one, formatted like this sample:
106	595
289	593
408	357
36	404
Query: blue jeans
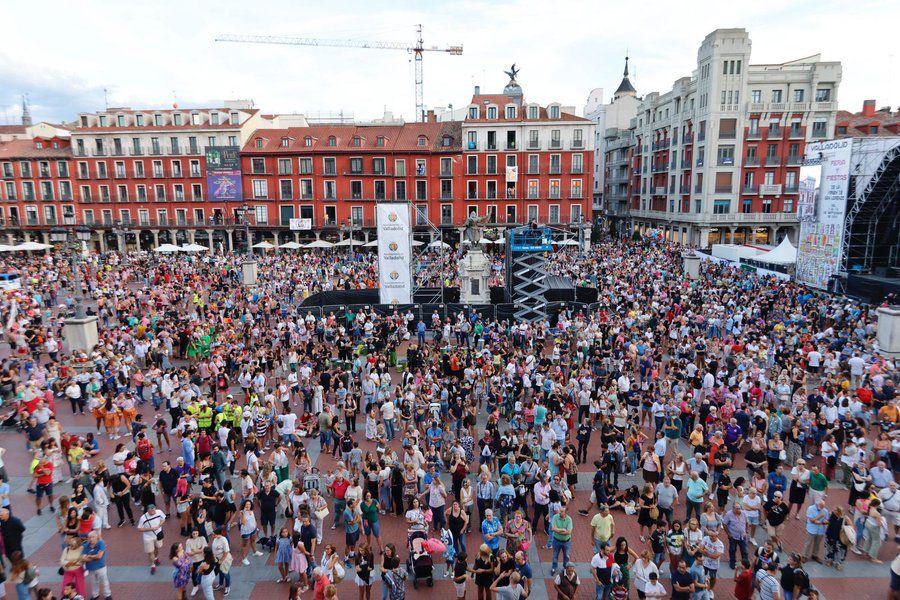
559	546
389	429
459	543
603	591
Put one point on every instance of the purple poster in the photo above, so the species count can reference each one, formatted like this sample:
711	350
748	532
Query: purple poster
223	173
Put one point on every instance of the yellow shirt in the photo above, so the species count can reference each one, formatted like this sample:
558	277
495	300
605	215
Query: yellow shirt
602	527
696	438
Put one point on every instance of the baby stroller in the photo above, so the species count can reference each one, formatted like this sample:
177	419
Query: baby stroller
419	564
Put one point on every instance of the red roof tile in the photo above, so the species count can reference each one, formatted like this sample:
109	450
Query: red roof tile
15	149
397	138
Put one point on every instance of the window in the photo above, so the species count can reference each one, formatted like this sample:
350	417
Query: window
356	165
304	166
378	166
235	119
446	166
747	205
554	214
380	190
532	212
258	165
471	190
823	95
575	213
756	96
400	190
555	164
379	141
578	138
356	190
332	141
285	142
555	138
286	189
576	188
400	168
473	112
533	139
510	213
492	112
421	190
306	189
421	214
446	189
534	112
554	189
446	214
261	214
423	141
330	190
533	164
196	191
139	120
553	111
329	165
491	168
446	141
472	140
721	207
195	118
798	95
818	129
260	188
776	95
578	163
873	129
355	141
533	189
307	141
472	165
420	167
510	112
214	118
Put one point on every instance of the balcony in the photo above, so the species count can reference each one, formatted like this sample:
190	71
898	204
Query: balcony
510	145
174	150
137	152
156	151
687	139
555	170
773	161
659	190
751	161
533	145
727	135
684	189
699	162
490	146
576	170
796	133
750	189
686	164
792	188
770	189
118	152
701	136
99	152
819	134
723	189
725	161
446	172
754	134
577	145
555	144
794	161
195	173
121	175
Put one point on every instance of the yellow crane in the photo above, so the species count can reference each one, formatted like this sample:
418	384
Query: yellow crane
418	48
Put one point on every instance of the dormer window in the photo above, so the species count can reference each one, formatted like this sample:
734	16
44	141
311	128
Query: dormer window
473	112
285	142
259	143
423	141
379	141
214	118
56	144
235	118
553	111
102	120
84	121
510	112
120	120
446	141
39	145
157	120
139	120
332	141
356	142
176	119
534	112
492	112
307	141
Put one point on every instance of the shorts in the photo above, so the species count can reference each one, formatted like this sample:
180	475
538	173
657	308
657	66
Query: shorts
711	573
267	519
774	530
151	546
362	582
247	536
44	489
351	537
752	519
460	590
372	529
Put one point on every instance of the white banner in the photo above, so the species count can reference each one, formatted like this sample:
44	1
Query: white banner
822	233
300	224
394	252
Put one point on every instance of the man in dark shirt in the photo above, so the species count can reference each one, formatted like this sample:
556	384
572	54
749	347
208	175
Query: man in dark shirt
682	582
776	513
794	579
168	480
584	438
11	530
268	500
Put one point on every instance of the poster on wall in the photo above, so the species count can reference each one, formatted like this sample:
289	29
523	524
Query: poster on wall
394	252
223	172
823	204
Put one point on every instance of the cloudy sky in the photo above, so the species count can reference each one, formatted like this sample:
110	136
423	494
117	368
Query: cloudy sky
153	54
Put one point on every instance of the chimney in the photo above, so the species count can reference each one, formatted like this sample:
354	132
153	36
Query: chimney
429	117
868	108
477	90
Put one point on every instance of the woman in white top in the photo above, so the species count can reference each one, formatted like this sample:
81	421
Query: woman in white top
751	502
248	531
641	570
415	517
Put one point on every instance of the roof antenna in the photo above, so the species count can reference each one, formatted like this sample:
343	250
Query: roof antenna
105	99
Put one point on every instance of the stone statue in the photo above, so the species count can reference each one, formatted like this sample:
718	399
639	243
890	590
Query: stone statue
513	71
473	230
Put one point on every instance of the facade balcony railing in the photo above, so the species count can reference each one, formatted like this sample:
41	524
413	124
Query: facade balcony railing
750	189
555	144
534	145
754	134
774	133
819	134
791	188
698	189
794	160
796	133
723	189
751	161
727	135
725	161
577	145
686	164
773	161
684	189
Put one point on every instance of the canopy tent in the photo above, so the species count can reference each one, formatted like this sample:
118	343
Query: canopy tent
264	245
417	243
7	248
371	244
290	246
194	248
319	244
29	246
783	254
167	248
439	244
567	242
348	241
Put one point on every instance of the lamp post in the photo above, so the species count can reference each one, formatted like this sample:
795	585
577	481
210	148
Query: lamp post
350	227
245	214
122	231
80	331
249	273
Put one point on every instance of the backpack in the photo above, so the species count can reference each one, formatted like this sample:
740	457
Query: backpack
396	589
144	449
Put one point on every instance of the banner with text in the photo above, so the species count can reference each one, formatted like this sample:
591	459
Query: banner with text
394	252
822	206
223	172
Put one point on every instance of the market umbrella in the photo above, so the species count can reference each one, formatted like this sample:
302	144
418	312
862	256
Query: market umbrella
567	242
417	243
372	244
194	248
438	244
264	245
319	244
167	248
7	248
29	246
290	246
347	242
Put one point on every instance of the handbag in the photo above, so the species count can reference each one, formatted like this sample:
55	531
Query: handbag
338	573
321	513
847	534
160	535
654	513
782	455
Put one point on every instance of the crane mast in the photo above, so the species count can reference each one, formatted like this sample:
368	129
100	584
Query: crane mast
418	48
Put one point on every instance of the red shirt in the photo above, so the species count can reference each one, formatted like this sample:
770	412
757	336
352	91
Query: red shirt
864	395
44	473
743	585
319	588
339	487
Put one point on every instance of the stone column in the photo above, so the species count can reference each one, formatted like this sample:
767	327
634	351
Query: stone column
190	234
10	240
46	236
102	241
173	233
297	237
228	240
704	237
691	264
889	331
120	242
209	237
155	234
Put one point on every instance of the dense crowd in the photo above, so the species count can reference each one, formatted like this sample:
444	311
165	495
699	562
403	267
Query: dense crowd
708	413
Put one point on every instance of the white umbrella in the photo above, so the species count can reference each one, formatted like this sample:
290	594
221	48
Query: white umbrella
567	242
167	248
28	246
7	248
290	246
319	244
194	248
348	241
264	245
372	244
417	243
439	244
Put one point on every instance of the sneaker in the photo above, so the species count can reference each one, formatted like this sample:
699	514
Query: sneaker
153	570
52	509
39	511
194	592
120	523
257	553
245	562
227	591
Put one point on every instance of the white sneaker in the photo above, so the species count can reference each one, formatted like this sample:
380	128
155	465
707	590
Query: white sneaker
245	562
227	591
194	591
257	553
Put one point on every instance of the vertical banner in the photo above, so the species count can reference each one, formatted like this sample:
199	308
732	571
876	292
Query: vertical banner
394	252
822	206
223	173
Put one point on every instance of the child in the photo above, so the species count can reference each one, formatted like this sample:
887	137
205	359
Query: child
450	553
299	564
283	554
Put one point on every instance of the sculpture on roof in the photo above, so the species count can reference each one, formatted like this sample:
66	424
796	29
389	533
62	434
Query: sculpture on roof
513	71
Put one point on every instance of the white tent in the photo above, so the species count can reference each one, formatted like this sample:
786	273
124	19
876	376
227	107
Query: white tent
264	245
194	248
372	244
29	246
567	242
417	243
290	246
783	254
319	244
439	244
167	248
7	248
347	242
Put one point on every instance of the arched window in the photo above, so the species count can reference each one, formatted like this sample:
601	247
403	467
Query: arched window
332	141
423	141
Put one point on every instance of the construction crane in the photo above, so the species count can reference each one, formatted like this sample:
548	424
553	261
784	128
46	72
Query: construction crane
418	49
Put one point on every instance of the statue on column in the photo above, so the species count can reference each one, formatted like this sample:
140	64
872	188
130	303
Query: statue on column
474	229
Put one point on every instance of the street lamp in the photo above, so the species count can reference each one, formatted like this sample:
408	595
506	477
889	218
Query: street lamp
63	236
246	217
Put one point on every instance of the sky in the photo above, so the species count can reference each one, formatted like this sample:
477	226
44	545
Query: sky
71	57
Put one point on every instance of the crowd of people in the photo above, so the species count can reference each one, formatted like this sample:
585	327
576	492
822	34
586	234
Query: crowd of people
704	415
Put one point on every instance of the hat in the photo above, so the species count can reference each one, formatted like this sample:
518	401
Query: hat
151	506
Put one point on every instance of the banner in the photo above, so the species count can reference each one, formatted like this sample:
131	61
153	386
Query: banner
394	252
302	224
223	173
822	207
